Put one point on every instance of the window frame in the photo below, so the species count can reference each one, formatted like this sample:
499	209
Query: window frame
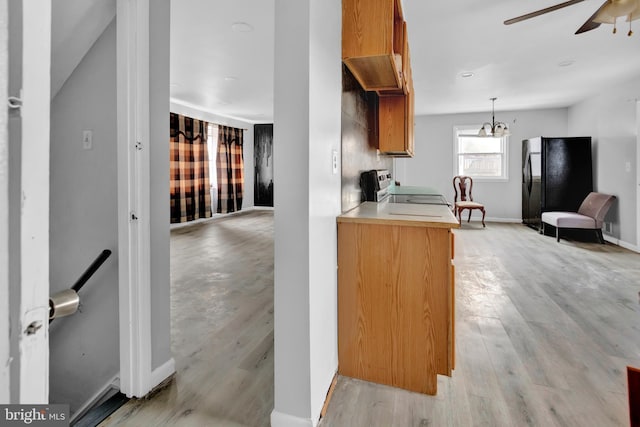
473	129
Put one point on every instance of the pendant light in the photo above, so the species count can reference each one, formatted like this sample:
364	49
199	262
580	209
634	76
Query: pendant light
494	129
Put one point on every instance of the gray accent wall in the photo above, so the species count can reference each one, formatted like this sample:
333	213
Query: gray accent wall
159	191
5	347
15	83
84	347
359	139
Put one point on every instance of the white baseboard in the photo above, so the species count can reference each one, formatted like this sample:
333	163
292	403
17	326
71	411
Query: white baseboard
507	220
621	243
113	384
260	208
280	419
161	373
158	375
216	216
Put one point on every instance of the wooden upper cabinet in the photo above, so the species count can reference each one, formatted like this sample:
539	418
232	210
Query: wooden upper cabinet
395	125
396	120
373	39
375	48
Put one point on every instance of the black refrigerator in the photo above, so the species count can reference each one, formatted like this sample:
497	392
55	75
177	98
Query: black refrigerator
556	176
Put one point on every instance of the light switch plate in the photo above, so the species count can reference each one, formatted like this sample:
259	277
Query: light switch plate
334	161
87	140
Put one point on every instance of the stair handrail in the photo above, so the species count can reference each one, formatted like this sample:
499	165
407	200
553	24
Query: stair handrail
66	302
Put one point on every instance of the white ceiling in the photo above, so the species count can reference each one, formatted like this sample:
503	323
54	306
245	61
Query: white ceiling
230	73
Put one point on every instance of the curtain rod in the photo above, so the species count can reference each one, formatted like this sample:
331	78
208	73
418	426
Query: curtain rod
207	121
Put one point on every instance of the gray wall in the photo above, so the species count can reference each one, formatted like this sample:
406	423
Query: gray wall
5	347
359	139
85	347
610	118
433	164
15	83
159	191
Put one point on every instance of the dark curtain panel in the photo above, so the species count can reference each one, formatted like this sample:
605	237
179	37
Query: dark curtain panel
263	161
230	168
189	169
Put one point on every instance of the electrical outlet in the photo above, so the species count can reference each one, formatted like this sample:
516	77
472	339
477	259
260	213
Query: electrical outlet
87	140
627	166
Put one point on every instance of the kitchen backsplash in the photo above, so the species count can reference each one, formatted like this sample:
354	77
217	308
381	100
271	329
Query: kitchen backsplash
359	137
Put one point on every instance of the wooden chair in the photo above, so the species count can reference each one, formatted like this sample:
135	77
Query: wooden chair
466	198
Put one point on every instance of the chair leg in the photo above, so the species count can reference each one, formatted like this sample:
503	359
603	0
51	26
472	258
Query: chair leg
542	228
600	236
557	234
469	219
483	213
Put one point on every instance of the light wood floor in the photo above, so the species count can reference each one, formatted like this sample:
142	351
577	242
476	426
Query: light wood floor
544	333
221	328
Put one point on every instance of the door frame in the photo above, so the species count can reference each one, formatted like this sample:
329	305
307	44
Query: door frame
134	196
637	174
5	390
33	330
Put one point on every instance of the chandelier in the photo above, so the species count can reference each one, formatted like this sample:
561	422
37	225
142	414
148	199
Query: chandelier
494	129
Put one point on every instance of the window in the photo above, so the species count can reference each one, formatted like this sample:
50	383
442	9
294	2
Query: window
482	158
212	148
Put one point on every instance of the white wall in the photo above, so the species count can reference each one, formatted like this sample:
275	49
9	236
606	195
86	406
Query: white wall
610	118
433	163
325	189
84	347
249	161
307	200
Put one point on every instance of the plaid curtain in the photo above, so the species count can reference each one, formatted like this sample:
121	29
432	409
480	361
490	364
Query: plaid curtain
189	169
230	167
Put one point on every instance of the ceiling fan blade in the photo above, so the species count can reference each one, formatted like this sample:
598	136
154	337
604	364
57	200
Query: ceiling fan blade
541	12
590	24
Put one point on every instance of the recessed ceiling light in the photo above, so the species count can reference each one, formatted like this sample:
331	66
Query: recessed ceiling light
466	74
231	78
241	27
566	63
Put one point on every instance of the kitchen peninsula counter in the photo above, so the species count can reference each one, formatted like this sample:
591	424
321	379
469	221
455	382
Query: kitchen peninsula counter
406	214
396	294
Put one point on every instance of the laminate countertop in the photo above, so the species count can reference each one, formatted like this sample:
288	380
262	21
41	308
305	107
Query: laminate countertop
405	214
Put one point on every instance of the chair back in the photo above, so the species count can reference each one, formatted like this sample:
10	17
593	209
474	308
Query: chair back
464	185
596	206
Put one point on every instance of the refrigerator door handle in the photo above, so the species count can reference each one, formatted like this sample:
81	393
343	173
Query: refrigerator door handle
526	173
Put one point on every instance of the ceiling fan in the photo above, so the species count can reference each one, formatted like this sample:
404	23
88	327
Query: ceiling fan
608	13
